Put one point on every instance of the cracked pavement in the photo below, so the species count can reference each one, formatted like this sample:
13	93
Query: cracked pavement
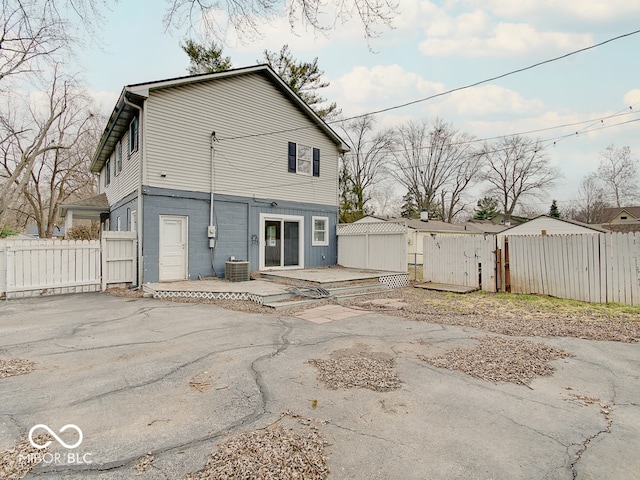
120	369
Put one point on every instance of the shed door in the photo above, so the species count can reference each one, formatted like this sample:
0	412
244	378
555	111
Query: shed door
173	248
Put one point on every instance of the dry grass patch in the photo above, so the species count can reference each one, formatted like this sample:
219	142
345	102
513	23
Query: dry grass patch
275	452
364	370
15	366
18	460
524	315
497	359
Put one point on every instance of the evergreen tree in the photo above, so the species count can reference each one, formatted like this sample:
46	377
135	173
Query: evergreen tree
487	208
409	208
205	60
554	212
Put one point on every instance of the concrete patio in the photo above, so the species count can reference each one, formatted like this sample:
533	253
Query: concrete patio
338	282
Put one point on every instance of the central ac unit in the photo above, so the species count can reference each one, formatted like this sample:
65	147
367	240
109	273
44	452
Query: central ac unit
237	271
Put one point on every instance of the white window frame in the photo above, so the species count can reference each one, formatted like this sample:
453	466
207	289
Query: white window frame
319	243
133	221
309	159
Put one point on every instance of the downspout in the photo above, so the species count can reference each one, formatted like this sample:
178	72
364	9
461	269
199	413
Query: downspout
140	216
211	207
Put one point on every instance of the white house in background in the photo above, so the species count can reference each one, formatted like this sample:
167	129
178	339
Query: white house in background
220	165
546	225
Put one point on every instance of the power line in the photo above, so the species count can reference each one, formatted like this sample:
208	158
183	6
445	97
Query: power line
447	92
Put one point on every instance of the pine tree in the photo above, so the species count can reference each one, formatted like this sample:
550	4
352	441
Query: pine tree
487	208
554	212
409	208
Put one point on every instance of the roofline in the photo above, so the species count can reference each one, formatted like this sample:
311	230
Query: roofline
140	91
565	220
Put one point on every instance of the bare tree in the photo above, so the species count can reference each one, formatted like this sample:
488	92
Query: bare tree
591	201
365	165
516	168
618	170
436	164
246	17
38	160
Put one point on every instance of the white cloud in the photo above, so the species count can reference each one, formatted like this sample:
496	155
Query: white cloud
632	99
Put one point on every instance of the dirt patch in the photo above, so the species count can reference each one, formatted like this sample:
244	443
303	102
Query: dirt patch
275	452
371	370
497	359
15	366
125	292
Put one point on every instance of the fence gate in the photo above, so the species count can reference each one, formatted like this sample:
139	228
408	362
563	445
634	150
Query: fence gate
374	245
467	260
47	267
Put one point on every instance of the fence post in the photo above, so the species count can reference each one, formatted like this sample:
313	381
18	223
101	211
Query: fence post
103	263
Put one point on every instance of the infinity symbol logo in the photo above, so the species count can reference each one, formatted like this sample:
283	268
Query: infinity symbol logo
51	432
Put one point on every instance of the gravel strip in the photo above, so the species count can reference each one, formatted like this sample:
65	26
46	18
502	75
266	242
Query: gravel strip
497	359
275	452
15	366
357	371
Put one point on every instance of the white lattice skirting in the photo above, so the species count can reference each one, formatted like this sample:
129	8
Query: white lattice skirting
395	281
209	295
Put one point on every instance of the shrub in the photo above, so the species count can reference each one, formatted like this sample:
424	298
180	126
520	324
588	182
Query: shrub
84	232
7	232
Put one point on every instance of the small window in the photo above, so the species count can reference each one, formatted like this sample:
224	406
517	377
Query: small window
133	221
623	218
133	136
107	172
118	224
304	160
118	165
320	231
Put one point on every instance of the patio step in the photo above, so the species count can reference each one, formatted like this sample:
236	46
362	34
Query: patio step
345	293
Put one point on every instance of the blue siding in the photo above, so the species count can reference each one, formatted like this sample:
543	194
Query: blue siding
237	221
123	209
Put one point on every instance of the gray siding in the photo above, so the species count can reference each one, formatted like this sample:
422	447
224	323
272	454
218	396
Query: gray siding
237	219
126	181
179	123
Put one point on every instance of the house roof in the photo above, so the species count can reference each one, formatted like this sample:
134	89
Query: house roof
133	96
572	222
609	213
96	204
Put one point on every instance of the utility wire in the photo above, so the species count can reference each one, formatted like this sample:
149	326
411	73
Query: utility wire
447	92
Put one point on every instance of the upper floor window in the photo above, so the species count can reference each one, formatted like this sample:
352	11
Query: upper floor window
304	160
107	172
118	165
133	135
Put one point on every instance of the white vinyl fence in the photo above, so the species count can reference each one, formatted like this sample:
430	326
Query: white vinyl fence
593	268
467	260
374	246
46	267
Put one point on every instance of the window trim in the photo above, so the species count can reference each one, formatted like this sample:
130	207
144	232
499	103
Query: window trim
107	172
319	243
118	159
134	132
293	164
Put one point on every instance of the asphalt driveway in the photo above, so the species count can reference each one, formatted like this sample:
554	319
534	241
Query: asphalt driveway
142	376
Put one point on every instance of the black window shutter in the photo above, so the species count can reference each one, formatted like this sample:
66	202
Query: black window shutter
292	157
316	162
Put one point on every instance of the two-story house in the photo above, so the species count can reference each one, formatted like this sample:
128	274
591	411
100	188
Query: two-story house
207	168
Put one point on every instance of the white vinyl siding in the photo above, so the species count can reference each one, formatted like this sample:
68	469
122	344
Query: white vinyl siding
179	124
127	180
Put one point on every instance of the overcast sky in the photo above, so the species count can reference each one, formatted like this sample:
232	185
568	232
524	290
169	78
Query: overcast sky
434	47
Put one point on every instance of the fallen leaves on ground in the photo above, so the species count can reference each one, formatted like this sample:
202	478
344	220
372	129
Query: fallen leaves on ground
275	452
15	366
358	371
497	359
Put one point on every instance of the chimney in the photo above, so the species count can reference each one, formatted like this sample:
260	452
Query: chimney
424	215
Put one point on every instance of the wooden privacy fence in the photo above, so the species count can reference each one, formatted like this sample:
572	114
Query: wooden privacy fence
45	267
467	260
375	245
595	268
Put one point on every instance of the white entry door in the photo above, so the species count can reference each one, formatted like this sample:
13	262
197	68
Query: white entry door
173	248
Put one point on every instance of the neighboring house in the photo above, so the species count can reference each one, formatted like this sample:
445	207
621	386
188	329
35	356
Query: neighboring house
93	209
546	225
621	219
417	229
499	219
32	231
220	165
